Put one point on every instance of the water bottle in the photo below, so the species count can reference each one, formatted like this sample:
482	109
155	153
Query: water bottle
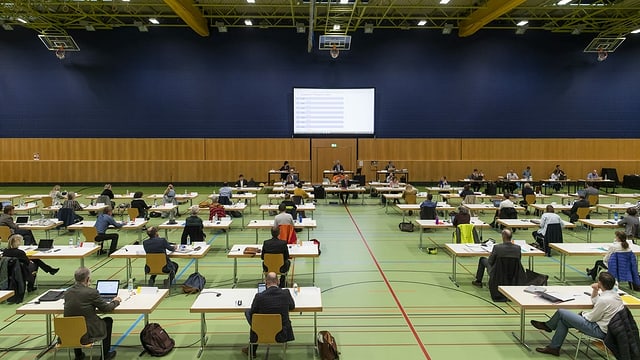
70	241
300	218
615	216
437	220
605	177
296	289
215	218
130	286
188	240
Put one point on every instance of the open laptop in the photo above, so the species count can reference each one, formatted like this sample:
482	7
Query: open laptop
261	287
22	219
108	289
45	245
496	203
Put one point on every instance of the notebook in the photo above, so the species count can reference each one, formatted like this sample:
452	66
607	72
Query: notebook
52	295
108	289
556	297
45	245
22	219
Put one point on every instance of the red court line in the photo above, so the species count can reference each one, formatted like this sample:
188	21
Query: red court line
386	281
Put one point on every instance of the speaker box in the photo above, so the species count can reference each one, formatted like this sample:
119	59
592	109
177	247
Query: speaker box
361	179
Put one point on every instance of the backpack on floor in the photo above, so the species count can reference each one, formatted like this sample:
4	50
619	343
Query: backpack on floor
327	347
317	242
156	341
194	283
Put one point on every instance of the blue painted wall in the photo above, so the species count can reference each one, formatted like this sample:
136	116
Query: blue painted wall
173	83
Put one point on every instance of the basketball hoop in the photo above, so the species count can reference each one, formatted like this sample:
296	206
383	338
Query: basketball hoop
334	52
602	54
60	53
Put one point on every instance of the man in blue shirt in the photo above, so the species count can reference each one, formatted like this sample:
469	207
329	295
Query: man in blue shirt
102	223
225	194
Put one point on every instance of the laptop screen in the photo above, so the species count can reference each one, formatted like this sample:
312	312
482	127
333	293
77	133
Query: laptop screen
45	244
108	287
262	287
496	203
22	219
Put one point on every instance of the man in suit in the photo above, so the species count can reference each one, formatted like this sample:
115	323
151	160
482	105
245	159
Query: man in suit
82	300
337	167
158	245
581	203
505	250
277	246
241	181
272	301
6	219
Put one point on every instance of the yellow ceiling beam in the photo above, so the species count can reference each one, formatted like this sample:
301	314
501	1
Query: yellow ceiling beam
190	14
486	14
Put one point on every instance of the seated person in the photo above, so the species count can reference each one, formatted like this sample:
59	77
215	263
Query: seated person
108	192
428	208
290	206
409	194
591	190
196	228
620	244
158	245
251	183
549	217
466	190
344	184
506	210
573	213
443	182
337	178
461	217
593	175
299	191
337	167
292	177
169	197
630	222
429	202
476	175
6	219
526	190
215	208
139	203
505	250
594	322
277	246
72	203
242	182
225	193
390	166
511	178
283	218
526	173
103	222
32	265
56	195
284	169
393	181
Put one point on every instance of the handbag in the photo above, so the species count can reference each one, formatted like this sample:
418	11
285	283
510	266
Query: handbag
406	226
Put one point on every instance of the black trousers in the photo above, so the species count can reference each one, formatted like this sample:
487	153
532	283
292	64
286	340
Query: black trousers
483	264
106	342
27	236
114	241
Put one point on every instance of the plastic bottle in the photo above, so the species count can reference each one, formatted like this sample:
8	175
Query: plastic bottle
615	216
70	241
300	218
296	289
215	218
605	177
437	220
130	286
188	240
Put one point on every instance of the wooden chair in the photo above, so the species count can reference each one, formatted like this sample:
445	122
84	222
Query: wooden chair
266	326
583	212
530	199
593	200
70	330
46	202
133	213
155	263
5	233
273	263
410	198
90	234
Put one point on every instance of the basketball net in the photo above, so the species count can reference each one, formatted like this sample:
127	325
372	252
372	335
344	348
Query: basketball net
60	53
602	54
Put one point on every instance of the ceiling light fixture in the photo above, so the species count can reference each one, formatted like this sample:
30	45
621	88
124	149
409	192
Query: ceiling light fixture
89	28
248	22
422	22
22	20
336	27
636	31
140	26
520	30
563	2
221	27
444	2
522	22
446	30
154	21
300	28
251	1
368	28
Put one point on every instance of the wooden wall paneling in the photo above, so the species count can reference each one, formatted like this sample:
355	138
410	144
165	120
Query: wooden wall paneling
398	150
277	150
324	153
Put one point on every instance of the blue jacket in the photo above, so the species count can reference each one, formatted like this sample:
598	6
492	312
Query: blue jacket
624	267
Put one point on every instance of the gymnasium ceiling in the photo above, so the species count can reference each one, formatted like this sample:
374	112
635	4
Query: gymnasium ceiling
602	18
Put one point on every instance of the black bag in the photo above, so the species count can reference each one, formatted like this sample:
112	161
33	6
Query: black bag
534	278
317	242
327	347
155	214
156	341
406	226
194	283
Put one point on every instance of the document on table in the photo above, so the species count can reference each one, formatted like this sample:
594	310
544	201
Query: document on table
479	248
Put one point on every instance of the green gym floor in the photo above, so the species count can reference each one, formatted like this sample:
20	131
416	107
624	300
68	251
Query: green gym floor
382	297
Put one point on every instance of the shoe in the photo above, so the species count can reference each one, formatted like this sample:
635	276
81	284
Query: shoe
549	350
476	283
245	350
32	289
541	326
54	271
110	355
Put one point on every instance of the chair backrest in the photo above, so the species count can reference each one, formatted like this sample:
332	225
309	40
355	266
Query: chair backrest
593	199
273	262
5	233
552	235
194	232
410	198
155	263
530	199
66	215
506	271
47	201
70	329
466	234
89	233
508	213
288	234
133	213
266	326
583	212
297	199
103	199
427	213
224	200
469	199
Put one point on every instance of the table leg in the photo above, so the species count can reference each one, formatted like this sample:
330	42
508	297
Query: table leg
203	333
521	339
235	272
82	262
129	269
50	341
308	234
242	220
421	231
166	234
196	259
453	270
589	229
403	213
146	319
256	236
227	236
531	263
563	259
313	274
